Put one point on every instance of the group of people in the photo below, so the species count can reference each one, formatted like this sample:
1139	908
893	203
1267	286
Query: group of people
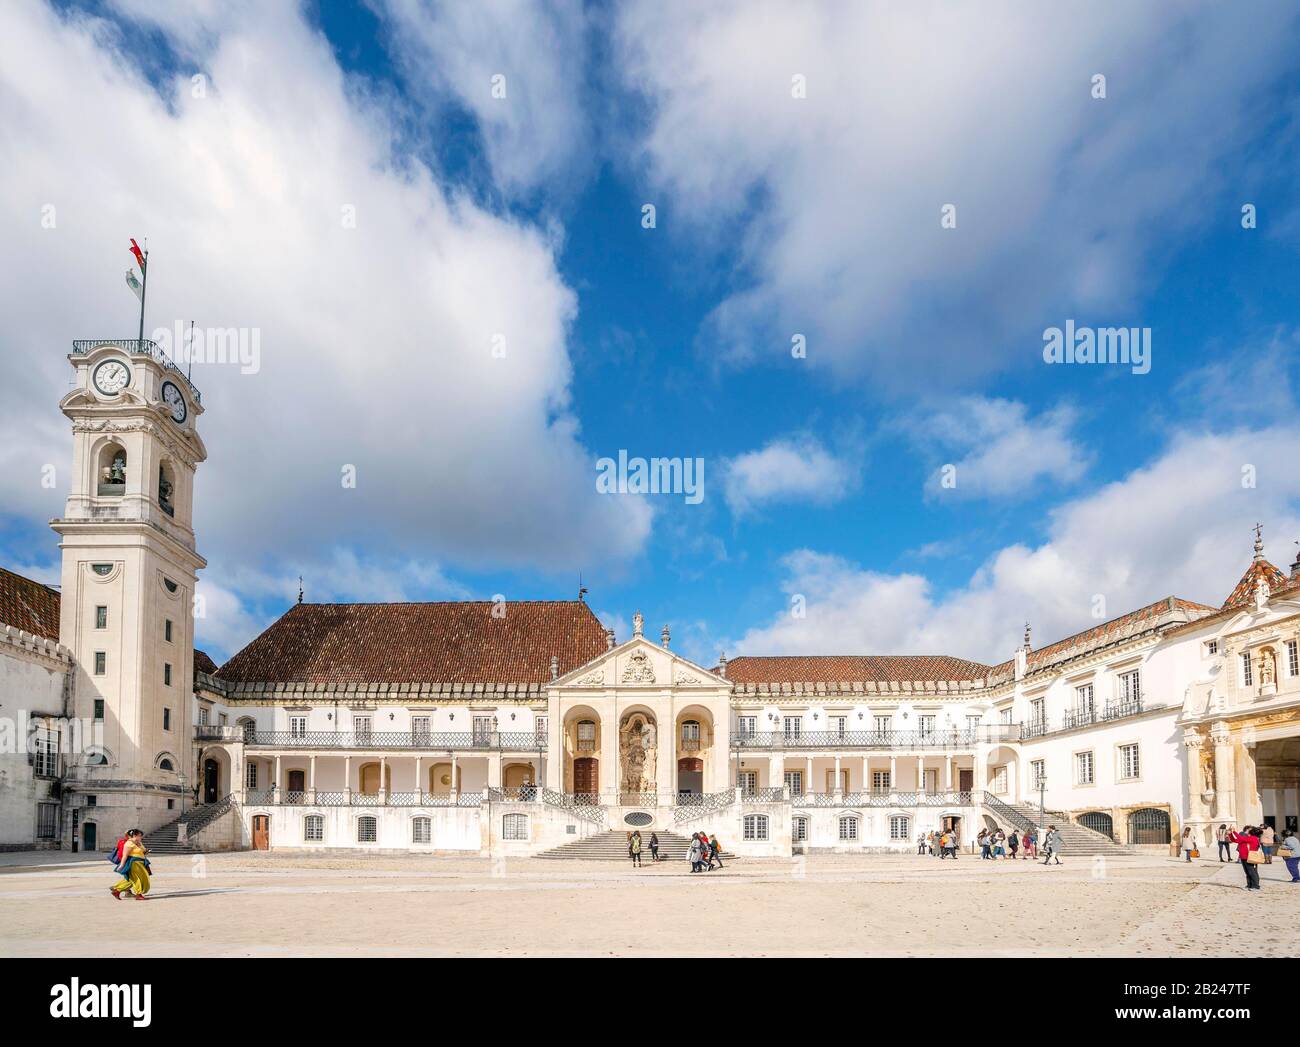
941	844
995	843
704	853
1256	845
130	863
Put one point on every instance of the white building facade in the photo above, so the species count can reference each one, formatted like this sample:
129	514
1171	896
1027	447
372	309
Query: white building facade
515	728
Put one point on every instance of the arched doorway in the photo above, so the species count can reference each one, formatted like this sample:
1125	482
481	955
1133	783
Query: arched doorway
211	780
1098	822
690	776
517	775
440	779
370	779
1148	825
296	786
638	755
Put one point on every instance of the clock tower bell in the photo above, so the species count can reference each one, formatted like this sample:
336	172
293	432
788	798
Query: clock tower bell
128	577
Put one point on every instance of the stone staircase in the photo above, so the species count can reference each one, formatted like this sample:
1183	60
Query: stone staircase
611	846
1076	839
163	840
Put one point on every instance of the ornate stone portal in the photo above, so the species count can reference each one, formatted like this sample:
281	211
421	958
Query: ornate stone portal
638	748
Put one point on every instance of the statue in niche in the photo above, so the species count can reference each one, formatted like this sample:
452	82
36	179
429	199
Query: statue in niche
1267	667
638	747
1207	770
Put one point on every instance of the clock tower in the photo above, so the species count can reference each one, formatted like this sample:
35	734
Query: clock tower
129	572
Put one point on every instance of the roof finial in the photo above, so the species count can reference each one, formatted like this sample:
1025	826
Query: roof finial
722	664
1028	646
663	636
582	589
300	588
555	666
638	624
609	639
1259	542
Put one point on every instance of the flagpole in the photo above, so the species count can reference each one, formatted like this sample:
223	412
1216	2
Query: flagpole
144	288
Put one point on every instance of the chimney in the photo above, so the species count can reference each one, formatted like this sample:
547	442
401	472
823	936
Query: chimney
663	637
555	667
609	639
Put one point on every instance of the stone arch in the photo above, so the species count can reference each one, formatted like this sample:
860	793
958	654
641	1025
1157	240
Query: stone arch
638	751
109	463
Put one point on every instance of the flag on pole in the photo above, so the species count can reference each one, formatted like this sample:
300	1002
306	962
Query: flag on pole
134	284
139	256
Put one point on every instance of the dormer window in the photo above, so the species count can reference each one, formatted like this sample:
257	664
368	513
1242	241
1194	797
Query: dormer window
112	471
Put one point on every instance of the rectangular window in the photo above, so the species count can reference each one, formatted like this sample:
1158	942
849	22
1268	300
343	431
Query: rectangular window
747	726
203	715
99	710
46	756
167	674
880	781
1292	658
1000	779
1130	686
794	780
361	728
839	726
101	617
167	719
513	827
101	663
793	726
799	830
1005	714
755	827
47	820
297	727
972	722
367	829
1038	712
748	782
1246	677
1128	762
250	775
540	727
1212	647
420	733
91	799
422	830
482	730
882	724
900	827
221	719
1037	773
1083	702
167	630
313	828
848	828
927	726
1083	769
931	779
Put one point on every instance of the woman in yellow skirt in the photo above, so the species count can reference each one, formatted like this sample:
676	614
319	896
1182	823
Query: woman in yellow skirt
134	868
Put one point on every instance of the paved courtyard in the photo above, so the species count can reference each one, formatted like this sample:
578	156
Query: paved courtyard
262	904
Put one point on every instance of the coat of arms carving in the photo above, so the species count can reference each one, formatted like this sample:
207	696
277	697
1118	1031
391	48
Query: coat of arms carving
639	669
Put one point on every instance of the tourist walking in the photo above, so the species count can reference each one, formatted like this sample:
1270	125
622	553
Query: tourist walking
1291	845
133	867
1247	842
1266	841
1030	843
634	849
715	852
1225	845
1013	844
1188	844
920	843
999	845
1052	845
654	847
982	841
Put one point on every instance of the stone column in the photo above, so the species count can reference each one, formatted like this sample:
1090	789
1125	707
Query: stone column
383	778
311	778
839	785
665	762
893	773
1193	743
455	780
920	775
275	785
947	774
808	784
1225	772
494	770
608	778
347	778
419	786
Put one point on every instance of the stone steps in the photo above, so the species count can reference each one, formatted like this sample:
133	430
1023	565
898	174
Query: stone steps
1075	838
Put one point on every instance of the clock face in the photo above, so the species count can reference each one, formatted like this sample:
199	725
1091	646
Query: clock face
111	377
175	401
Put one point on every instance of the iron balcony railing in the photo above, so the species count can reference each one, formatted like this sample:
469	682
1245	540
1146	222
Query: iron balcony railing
870	798
322	798
519	741
1119	710
1073	719
137	347
207	732
953	739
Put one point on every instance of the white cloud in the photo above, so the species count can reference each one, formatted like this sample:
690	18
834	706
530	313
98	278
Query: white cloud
792	468
1179	526
376	341
535	128
1003	451
835	198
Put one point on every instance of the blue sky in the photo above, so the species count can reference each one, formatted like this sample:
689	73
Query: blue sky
775	215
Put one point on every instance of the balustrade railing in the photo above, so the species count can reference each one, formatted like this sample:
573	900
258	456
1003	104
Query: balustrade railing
519	794
954	739
519	741
699	804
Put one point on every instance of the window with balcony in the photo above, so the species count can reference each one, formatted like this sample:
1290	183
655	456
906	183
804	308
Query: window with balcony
793	727
250	775
540	727
882	724
880	781
483	730
972	722
794	782
203	715
586	736
926	724
361	728
1084	706
1004	715
746	726
754	827
1038	713
1084	771
839	726
297	727
1130	687
420	730
690	736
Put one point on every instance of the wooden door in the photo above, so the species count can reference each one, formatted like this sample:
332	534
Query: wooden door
297	781
965	779
261	832
585	778
89	836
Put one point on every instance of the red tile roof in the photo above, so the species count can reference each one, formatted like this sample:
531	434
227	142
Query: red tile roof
29	605
202	663
836	668
457	642
1244	591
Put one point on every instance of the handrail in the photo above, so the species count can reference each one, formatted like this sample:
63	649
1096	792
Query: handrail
938	739
137	347
201	817
1008	812
696	806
